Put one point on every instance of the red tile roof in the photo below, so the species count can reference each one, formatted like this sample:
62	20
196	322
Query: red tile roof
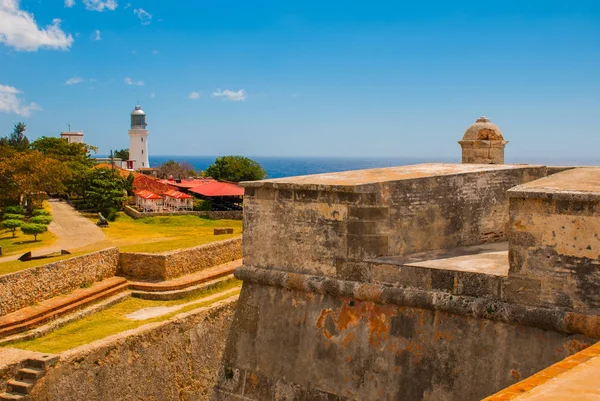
147	194
217	188
142	181
177	195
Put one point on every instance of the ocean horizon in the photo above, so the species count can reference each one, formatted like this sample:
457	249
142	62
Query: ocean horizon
277	167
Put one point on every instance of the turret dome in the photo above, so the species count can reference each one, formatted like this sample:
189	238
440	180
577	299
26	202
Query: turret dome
483	130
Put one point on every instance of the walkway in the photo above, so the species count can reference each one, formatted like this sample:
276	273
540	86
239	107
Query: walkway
72	229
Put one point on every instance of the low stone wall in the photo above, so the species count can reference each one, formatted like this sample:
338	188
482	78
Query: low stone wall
173	360
26	287
168	265
209	214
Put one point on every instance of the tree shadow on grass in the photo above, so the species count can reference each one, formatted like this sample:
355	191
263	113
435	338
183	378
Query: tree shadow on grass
31	241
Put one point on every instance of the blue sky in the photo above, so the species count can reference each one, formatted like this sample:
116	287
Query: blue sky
310	78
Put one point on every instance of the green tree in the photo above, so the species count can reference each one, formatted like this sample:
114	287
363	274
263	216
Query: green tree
12	225
61	150
176	169
26	175
41	220
33	229
77	158
236	169
122	154
17	139
102	189
13	216
129	184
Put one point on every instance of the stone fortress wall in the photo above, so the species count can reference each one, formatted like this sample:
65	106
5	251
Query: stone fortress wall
376	285
168	265
26	287
177	359
209	214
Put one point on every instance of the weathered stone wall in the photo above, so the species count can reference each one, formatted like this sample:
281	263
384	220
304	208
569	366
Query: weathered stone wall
168	265
555	240
287	343
330	227
333	308
209	214
23	288
173	360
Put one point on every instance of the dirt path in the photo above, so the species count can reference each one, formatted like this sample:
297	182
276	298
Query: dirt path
72	229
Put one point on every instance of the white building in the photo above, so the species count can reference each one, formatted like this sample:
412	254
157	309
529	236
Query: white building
72	137
138	140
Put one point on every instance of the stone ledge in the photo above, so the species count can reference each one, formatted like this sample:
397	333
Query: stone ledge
558	319
578	184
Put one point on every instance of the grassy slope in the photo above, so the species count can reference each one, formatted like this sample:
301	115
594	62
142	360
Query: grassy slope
113	320
151	234
160	234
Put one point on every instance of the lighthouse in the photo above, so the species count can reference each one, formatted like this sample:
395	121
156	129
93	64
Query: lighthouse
138	140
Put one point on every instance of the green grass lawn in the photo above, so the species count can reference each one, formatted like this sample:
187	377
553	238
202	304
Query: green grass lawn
151	234
23	243
160	234
113	320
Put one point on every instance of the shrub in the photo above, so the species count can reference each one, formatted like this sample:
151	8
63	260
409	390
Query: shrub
12	225
12	216
40	212
111	214
201	204
41	220
15	210
33	229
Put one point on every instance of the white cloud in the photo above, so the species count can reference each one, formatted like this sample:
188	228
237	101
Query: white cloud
69	3
74	81
152	95
11	102
144	16
18	29
194	95
100	5
127	5
154	51
97	35
227	94
129	81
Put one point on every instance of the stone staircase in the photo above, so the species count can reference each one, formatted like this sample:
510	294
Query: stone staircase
33	369
34	316
183	286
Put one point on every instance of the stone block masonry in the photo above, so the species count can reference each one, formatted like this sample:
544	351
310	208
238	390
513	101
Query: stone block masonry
168	265
330	223
173	360
555	240
340	301
26	287
209	214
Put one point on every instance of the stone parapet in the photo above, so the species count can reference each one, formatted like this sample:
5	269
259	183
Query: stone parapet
330	223
209	214
554	239
26	287
177	359
168	265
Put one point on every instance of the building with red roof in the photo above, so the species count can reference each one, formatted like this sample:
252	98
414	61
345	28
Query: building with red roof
148	201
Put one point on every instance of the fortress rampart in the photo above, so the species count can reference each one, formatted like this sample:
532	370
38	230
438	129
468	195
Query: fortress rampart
396	283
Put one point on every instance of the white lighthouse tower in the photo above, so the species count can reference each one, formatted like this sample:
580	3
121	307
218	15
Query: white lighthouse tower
138	140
